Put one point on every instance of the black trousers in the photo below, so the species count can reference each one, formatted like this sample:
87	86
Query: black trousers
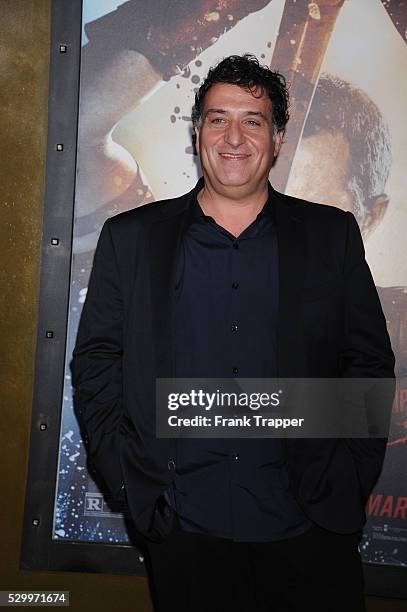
317	571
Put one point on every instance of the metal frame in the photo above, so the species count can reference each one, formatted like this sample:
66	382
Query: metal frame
39	550
385	580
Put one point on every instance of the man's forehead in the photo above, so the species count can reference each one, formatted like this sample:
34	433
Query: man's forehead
229	96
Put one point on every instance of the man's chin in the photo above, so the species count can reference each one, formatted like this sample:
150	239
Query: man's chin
233	181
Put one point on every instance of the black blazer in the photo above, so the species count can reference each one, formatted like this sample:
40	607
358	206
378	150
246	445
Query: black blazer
330	325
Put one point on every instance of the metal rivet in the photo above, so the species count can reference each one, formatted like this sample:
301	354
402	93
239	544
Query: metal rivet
141	558
54	241
43	426
63	48
49	334
36	522
60	146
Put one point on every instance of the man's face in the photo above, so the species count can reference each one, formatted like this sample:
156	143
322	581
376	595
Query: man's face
320	171
236	142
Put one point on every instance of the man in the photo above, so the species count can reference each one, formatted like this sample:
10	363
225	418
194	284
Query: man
233	280
347	139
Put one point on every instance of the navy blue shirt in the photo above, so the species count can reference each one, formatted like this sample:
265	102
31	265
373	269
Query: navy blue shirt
226	325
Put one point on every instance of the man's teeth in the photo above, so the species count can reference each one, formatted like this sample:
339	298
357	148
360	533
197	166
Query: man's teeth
234	155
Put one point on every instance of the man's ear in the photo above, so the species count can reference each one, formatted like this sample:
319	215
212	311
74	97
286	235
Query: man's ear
376	211
278	141
195	140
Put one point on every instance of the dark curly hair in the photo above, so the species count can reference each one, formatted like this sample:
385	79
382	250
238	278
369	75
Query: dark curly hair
246	72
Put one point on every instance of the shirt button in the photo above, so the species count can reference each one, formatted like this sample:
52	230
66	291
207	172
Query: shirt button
235	245
235	370
236	456
235	285
234	327
171	464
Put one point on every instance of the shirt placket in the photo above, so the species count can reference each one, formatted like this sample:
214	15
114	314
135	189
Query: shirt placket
235	348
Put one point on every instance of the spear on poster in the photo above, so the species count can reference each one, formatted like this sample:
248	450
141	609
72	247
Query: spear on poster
303	38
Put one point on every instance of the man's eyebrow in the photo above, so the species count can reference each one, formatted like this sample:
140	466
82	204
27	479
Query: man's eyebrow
222	111
215	110
258	114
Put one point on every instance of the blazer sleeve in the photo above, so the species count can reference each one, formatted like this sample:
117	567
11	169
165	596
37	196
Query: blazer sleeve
367	353
97	366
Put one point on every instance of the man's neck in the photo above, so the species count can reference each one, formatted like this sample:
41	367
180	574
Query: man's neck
234	214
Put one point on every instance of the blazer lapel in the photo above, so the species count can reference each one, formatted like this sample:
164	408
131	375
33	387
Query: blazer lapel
165	239
291	251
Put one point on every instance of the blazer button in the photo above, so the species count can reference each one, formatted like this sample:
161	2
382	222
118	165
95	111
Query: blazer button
171	464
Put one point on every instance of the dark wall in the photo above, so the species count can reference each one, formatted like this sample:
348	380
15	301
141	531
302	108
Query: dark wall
24	66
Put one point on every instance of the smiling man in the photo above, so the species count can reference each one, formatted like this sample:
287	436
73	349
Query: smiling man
241	281
237	146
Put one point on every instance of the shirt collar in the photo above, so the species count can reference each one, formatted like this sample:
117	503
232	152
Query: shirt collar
198	214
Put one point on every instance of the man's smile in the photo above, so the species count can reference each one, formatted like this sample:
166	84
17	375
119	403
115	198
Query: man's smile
234	156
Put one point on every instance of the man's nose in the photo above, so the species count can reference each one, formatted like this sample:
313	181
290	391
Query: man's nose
234	134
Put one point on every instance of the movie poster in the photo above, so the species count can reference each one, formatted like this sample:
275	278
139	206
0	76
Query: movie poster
346	144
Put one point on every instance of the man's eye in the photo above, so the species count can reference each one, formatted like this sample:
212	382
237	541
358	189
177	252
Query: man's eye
217	120
252	122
